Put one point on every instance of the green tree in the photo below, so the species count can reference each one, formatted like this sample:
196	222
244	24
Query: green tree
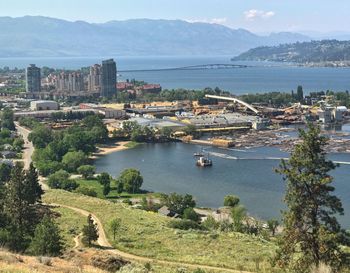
114	226
73	160
47	239
106	189
60	180
86	191
190	214
7	119
177	202
41	136
87	171
18	210
238	214
131	180
32	186
104	178
231	200
272	224
5	173
90	231
311	233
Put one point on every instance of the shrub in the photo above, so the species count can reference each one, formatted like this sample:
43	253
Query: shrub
184	224
108	262
231	200
44	260
190	214
210	223
86	191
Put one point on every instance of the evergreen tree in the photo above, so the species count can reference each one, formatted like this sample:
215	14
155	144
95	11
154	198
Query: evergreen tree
32	189
47	239
312	234
90	231
18	209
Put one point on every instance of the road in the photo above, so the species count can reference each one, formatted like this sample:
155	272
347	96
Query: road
104	243
28	152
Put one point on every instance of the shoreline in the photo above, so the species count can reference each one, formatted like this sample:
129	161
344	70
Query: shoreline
106	149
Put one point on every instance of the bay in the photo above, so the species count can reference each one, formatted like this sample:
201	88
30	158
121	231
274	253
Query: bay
258	77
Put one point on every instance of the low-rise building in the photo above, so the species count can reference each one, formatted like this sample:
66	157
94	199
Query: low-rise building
39	105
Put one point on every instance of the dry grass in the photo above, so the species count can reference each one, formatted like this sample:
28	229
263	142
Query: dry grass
146	234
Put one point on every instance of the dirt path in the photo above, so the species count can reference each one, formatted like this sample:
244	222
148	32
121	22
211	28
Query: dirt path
104	243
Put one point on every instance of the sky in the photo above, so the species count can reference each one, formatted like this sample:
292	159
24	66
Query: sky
260	16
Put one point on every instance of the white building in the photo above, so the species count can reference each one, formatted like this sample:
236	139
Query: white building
39	105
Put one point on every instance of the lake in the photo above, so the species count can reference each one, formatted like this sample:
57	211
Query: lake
170	167
259	77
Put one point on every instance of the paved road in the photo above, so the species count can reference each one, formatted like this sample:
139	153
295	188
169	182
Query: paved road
104	243
28	152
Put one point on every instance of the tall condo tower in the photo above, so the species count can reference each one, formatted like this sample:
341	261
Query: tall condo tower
109	78
33	79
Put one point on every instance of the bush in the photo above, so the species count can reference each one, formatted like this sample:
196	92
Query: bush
86	191
210	223
60	180
184	224
44	260
190	214
86	171
231	200
108	262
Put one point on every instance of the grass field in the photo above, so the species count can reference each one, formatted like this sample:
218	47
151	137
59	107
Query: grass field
70	223
146	234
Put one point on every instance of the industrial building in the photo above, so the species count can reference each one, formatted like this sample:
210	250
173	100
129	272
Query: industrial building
39	105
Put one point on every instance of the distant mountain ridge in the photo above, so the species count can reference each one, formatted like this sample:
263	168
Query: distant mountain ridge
37	36
324	51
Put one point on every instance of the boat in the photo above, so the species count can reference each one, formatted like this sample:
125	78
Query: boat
198	154
204	162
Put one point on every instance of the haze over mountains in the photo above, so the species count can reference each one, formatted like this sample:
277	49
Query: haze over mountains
36	36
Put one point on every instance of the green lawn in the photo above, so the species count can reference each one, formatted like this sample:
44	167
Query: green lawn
146	234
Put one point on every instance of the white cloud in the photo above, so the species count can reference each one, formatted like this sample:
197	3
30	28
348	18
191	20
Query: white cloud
258	14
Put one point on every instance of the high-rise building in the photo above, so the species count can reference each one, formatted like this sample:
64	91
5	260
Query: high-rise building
109	78
94	78
75	82
33	79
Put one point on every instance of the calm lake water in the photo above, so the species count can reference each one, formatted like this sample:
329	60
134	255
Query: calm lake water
261	77
171	167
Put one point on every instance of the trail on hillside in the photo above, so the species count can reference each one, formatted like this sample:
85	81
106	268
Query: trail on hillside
104	243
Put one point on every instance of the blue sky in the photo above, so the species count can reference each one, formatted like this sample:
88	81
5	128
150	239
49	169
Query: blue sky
256	15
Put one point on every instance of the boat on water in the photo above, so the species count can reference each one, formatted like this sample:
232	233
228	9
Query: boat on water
204	162
198	154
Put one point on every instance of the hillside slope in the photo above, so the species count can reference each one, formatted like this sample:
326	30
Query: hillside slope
306	52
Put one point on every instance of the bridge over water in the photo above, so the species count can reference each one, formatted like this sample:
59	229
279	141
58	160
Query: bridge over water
190	67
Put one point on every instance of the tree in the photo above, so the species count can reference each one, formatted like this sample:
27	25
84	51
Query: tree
5	173
178	203
131	180
311	234
60	180
272	225
73	160
106	189
87	171
114	226
47	239
231	200
90	231
18	209
86	191
40	136
7	119
32	186
190	214
104	178
238	214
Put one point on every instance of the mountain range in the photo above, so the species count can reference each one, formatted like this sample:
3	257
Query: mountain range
37	36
